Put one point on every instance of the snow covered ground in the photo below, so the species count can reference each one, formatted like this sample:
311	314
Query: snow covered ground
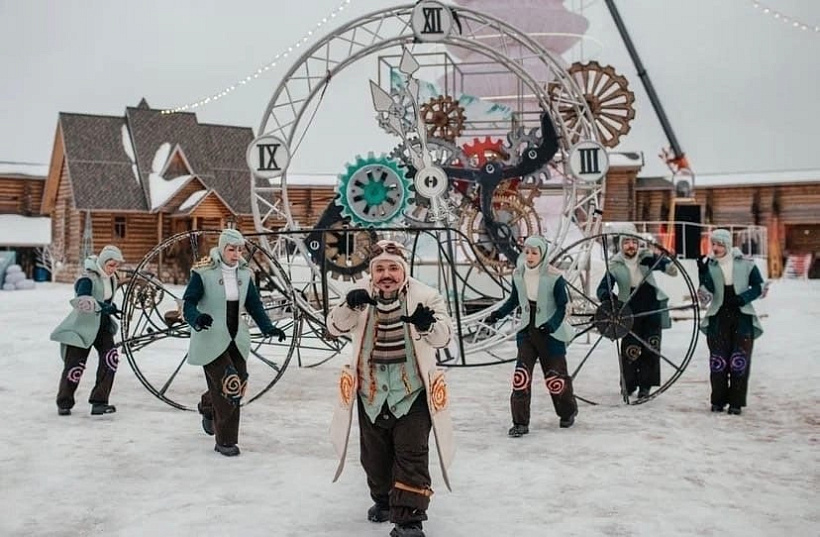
665	468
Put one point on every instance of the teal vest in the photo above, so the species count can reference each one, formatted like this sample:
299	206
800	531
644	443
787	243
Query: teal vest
741	270
619	270
545	303
398	385
207	345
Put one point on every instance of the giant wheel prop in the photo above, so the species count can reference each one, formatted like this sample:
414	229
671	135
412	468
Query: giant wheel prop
601	326
402	32
155	335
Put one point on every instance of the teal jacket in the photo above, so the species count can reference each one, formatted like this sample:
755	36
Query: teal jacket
746	280
205	293
647	263
551	302
79	328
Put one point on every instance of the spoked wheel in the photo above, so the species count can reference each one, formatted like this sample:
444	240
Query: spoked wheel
611	324
155	335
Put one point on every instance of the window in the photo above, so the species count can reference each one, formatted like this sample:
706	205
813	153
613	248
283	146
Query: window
119	227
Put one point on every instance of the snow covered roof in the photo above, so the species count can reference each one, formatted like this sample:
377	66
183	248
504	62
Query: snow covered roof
26	169
757	178
312	179
192	200
623	159
18	230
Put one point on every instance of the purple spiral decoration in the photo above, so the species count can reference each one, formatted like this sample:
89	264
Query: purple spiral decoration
85	305
556	385
738	363
75	373
717	363
521	378
633	352
112	359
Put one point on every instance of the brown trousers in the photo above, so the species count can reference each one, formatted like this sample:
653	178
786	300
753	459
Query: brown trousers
74	366
227	377
534	346
396	450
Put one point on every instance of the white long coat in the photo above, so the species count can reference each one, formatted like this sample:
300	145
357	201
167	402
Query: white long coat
343	321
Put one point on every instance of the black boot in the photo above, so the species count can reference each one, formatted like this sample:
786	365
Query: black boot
378	513
569	421
643	393
102	408
409	529
717	408
735	410
63	411
517	431
208	425
228	451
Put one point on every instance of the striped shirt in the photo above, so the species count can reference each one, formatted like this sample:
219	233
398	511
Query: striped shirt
388	346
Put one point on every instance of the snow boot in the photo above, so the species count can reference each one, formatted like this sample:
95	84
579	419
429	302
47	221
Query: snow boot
717	408
228	451
517	431
63	411
566	423
102	408
735	410
410	529
643	393
378	513
208	425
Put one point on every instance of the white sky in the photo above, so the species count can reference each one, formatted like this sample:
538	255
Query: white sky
739	87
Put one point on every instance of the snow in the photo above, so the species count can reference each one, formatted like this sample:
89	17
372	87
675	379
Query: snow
668	467
312	180
160	157
757	178
129	150
23	168
192	200
18	230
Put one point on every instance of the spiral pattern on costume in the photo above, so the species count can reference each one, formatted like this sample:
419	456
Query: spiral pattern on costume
244	389
717	363
655	342
632	352
112	359
521	379
438	394
85	305
346	387
75	373
232	386
738	363
556	385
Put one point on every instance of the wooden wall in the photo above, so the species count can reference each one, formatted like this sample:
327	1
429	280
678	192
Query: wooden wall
619	197
21	195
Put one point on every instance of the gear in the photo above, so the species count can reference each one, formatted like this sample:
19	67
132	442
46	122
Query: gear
443	117
373	191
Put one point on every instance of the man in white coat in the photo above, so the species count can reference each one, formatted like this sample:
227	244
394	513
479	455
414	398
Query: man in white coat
396	323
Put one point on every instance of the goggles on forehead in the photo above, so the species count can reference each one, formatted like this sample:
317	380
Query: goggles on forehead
388	247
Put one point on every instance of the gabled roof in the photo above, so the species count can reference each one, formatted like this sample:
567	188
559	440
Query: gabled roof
112	160
23	170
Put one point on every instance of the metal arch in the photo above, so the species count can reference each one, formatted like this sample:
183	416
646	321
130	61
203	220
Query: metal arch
581	318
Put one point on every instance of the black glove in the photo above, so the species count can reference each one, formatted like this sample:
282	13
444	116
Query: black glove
702	262
203	322
359	297
275	332
423	318
109	308
735	301
548	327
491	319
648	262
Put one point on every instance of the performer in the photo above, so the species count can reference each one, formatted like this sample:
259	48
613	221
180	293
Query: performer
396	324
730	322
630	270
90	324
219	289
540	291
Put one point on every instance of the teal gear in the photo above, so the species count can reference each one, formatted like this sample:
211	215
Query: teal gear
373	191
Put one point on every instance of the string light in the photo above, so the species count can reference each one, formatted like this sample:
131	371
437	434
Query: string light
782	17
260	71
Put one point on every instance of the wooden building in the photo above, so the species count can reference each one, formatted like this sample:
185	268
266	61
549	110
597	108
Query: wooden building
22	229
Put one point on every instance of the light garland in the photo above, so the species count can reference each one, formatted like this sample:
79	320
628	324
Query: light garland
256	74
782	17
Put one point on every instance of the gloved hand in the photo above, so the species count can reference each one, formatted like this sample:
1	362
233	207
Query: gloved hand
735	301
648	262
109	308
491	319
702	262
548	327
358	298
423	318
203	322
278	333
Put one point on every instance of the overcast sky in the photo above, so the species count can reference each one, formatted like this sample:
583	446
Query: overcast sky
739	87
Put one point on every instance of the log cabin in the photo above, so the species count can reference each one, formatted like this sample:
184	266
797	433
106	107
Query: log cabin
22	230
